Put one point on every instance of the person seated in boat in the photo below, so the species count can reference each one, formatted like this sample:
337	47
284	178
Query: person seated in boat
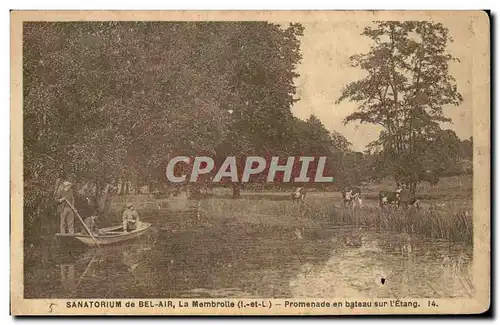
130	218
91	223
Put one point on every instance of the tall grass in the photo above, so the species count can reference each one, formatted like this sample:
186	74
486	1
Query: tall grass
450	223
443	217
428	222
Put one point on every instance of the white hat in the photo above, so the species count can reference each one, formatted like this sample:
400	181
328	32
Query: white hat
66	183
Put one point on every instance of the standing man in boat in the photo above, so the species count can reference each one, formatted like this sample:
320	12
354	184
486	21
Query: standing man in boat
67	216
130	218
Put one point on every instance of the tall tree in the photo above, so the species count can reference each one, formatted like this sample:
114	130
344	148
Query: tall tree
406	87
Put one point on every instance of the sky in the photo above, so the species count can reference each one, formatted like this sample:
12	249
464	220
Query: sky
325	69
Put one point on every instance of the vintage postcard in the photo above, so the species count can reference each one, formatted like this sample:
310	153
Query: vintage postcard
250	162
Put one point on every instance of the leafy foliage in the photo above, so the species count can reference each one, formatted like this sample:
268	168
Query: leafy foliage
407	84
106	103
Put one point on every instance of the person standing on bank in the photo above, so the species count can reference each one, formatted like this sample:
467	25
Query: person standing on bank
130	218
67	216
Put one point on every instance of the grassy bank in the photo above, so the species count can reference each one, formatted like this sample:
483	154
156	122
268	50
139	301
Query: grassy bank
451	222
445	213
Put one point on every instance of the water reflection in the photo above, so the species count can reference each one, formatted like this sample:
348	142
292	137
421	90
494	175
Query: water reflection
234	260
68	277
384	265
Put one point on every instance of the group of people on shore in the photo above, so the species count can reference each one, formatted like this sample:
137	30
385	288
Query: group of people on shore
65	200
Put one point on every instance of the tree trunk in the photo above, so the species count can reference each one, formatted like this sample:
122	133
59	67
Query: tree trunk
236	190
97	194
56	187
137	186
105	202
413	188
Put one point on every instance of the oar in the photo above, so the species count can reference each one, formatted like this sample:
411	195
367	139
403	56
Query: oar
83	223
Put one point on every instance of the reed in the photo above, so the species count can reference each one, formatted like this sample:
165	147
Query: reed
430	222
450	223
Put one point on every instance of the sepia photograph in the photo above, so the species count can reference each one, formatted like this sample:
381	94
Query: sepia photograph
322	162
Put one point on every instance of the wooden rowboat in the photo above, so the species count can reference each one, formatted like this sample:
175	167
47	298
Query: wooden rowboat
106	236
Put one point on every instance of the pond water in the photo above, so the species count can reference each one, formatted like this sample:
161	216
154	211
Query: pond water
229	259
